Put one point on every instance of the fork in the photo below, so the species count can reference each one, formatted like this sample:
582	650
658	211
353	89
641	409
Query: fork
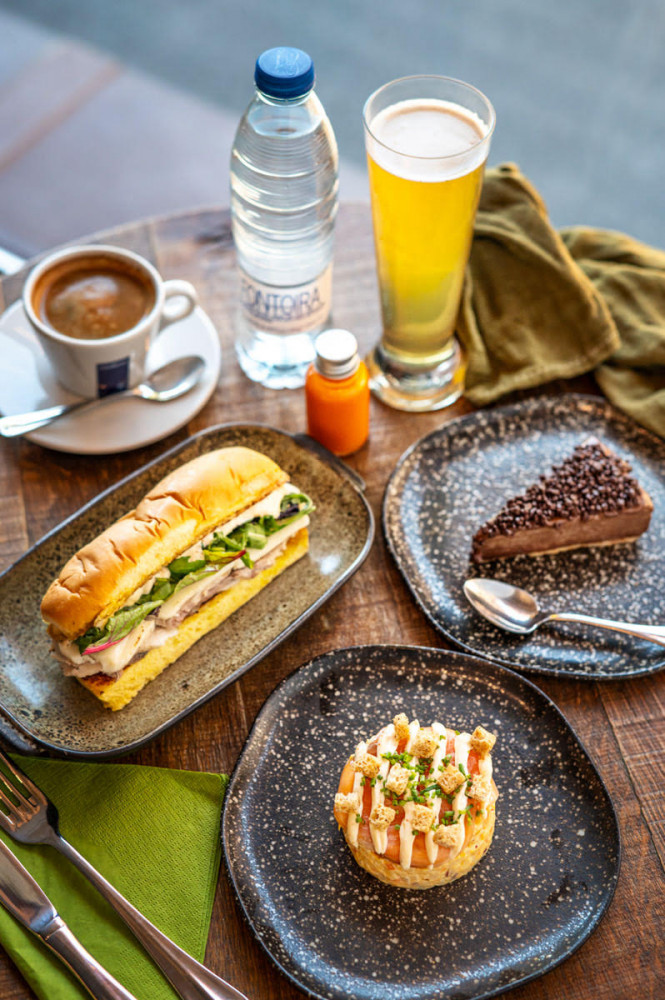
31	818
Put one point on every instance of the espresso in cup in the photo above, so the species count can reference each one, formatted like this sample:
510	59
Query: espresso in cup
96	310
93	298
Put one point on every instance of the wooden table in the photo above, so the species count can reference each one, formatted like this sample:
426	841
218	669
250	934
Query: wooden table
622	724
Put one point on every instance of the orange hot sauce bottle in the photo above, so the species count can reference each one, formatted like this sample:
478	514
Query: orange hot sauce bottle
337	393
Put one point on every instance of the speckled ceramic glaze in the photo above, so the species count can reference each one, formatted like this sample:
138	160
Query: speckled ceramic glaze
55	713
455	479
339	933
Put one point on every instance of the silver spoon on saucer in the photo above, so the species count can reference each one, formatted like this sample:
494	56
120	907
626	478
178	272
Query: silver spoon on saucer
166	383
517	611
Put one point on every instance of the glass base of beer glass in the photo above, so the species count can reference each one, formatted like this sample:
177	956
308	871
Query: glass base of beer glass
277	361
404	388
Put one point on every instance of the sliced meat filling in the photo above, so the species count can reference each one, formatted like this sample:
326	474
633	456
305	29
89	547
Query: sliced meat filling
155	630
217	585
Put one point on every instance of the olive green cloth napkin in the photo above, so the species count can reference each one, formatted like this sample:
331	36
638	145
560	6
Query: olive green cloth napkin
540	304
154	834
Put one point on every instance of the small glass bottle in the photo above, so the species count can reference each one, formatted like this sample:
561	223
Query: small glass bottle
337	393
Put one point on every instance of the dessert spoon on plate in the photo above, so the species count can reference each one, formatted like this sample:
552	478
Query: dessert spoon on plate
517	610
166	383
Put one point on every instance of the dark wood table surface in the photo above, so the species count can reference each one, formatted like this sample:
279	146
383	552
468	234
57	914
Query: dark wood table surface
622	724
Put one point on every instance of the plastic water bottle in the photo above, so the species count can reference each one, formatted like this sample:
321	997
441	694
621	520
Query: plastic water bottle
283	207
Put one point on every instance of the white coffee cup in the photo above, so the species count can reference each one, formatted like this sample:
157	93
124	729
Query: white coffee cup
97	367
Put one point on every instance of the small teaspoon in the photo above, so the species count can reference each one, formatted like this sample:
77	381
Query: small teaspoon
517	611
166	383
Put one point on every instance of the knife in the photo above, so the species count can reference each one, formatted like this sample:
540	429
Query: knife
20	894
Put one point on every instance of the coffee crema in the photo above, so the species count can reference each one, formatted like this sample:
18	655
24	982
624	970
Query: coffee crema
93	298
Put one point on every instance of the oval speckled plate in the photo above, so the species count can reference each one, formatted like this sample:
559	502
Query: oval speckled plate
42	710
337	932
453	480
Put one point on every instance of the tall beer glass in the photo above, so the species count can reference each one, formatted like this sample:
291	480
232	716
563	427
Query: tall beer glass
427	140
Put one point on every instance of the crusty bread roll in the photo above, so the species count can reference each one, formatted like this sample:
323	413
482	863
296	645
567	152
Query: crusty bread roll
181	509
417	805
128	560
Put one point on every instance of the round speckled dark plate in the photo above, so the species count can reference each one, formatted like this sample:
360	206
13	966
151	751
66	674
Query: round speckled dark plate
452	481
337	932
42	710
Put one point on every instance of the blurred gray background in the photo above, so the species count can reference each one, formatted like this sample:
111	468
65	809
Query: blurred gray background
114	110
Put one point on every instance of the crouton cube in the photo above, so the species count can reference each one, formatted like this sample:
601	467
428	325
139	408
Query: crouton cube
482	741
397	781
447	836
367	763
401	724
381	817
349	803
480	788
424	744
450	779
422	818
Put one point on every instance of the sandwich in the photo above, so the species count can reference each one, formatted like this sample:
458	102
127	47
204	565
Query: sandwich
199	545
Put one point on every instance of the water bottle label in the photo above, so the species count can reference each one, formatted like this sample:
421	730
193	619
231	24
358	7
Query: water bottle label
296	309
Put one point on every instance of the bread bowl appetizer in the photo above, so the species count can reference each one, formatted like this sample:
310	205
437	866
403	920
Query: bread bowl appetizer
417	805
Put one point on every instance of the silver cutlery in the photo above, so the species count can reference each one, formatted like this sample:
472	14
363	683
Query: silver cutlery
31	818
517	611
167	383
20	894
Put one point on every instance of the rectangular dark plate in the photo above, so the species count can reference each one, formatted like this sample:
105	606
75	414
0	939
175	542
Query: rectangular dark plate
44	711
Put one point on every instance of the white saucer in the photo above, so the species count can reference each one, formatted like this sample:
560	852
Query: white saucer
28	383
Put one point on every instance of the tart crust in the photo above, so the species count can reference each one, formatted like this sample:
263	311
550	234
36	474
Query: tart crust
479	835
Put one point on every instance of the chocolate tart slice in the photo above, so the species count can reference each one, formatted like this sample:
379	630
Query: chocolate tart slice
590	499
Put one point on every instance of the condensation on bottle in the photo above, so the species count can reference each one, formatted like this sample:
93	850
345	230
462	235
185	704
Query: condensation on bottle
284	179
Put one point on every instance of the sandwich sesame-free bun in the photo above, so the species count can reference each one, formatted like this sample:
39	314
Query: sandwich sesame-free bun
180	510
116	692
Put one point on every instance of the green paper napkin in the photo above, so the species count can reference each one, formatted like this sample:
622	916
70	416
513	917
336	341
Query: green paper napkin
539	305
154	834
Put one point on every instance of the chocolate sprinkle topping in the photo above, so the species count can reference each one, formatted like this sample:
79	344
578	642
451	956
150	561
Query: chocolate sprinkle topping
592	481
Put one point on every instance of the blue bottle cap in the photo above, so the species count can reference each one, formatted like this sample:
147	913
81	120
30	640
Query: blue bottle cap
284	72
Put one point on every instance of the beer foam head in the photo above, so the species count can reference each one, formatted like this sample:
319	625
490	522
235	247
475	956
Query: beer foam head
427	140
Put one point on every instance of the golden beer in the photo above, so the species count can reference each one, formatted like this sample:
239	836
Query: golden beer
426	157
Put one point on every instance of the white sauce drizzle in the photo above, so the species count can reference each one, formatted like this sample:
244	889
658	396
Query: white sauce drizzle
485	771
406	837
460	800
352	824
387	743
433	800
